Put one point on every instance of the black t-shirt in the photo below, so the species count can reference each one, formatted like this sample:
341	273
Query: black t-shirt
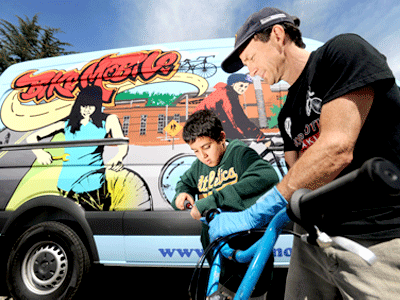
344	64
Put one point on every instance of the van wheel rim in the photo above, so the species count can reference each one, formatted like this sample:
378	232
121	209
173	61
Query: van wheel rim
44	268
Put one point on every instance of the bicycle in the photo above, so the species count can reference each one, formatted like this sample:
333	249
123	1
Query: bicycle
271	148
374	175
200	67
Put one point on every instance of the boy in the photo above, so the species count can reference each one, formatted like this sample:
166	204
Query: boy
230	176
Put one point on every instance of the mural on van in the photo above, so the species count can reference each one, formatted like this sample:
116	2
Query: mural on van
225	102
136	94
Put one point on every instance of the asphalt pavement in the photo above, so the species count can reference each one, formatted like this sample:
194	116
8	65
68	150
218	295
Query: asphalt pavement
151	283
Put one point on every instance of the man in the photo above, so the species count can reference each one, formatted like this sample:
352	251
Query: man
342	108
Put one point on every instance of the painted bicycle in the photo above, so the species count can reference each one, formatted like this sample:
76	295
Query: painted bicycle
200	67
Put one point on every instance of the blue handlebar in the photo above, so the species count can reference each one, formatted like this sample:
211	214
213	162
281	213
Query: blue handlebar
262	253
258	254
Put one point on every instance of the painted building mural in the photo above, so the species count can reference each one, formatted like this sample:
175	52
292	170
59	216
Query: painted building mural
140	94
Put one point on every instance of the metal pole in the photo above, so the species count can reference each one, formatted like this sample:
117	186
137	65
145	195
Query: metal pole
166	121
262	115
187	107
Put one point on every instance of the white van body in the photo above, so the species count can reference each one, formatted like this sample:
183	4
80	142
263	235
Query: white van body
150	90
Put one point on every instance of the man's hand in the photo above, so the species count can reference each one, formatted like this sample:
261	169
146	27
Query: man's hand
180	200
228	222
256	216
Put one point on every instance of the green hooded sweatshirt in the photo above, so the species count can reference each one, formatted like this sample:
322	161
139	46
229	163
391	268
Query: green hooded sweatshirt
236	183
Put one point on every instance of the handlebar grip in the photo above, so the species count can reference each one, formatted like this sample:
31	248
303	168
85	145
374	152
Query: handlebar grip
376	176
210	214
187	205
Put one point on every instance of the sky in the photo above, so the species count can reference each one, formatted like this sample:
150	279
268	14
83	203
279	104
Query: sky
102	25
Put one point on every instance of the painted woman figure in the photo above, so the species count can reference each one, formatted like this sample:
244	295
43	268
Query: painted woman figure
82	177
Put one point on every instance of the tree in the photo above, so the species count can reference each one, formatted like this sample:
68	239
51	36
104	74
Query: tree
28	41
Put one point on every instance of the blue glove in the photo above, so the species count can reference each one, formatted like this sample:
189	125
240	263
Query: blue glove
255	216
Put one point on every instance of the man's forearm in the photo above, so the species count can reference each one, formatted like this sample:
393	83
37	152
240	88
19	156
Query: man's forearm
319	165
341	121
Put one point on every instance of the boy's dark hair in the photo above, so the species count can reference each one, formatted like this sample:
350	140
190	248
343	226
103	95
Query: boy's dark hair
202	123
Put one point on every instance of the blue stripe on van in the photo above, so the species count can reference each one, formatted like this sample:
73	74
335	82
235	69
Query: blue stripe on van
183	251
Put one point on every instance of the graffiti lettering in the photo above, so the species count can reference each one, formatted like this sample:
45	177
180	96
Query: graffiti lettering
145	66
46	85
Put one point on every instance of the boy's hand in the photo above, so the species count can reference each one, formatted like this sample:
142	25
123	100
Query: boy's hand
180	200
195	213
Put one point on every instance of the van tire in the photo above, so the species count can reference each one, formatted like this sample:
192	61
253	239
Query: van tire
48	261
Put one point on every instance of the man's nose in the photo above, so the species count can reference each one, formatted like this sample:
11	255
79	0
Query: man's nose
252	71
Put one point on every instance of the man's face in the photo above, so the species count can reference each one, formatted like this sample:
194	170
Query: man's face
263	59
240	87
208	150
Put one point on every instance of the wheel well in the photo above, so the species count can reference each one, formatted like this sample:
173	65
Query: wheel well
26	218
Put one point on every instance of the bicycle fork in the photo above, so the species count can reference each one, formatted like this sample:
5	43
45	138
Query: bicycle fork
215	274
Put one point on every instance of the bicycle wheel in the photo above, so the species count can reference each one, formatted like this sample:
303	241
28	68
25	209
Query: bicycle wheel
185	68
205	70
128	191
171	173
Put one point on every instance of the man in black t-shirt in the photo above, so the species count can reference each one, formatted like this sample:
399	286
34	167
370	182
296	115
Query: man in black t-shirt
342	108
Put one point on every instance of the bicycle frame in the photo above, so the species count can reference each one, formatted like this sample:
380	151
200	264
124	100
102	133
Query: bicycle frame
258	254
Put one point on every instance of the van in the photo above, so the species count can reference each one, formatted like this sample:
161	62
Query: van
100	192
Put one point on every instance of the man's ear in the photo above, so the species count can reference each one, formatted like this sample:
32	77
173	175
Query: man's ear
278	34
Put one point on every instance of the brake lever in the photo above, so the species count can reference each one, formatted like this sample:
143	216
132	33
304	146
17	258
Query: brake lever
324	241
211	213
355	248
